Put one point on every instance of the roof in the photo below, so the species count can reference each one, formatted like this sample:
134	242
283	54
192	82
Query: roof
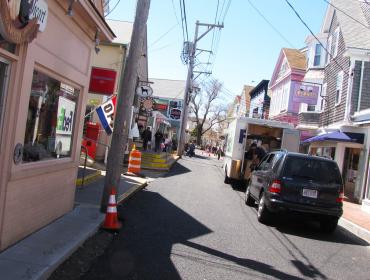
247	89
296	59
354	34
122	30
257	88
168	88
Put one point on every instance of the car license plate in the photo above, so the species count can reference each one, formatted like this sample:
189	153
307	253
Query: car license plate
309	193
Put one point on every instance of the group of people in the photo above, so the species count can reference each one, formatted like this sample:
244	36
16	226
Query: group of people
162	142
215	150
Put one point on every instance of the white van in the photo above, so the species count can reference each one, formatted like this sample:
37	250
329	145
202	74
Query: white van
269	135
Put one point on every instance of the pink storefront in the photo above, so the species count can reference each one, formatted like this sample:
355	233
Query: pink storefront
45	63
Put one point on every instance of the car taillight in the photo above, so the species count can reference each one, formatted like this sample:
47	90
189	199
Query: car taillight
340	197
275	187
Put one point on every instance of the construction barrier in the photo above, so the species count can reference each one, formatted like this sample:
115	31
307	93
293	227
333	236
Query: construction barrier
134	161
111	217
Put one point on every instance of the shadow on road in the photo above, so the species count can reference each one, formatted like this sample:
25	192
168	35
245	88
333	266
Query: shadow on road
177	169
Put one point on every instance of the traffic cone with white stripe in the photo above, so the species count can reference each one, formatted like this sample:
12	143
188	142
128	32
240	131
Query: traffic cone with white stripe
111	217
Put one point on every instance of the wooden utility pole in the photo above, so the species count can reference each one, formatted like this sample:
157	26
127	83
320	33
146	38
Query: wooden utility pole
189	80
125	100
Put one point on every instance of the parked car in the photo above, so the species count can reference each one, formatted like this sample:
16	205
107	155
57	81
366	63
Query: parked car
292	182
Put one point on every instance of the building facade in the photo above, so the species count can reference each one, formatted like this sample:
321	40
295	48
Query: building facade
346	91
260	101
44	79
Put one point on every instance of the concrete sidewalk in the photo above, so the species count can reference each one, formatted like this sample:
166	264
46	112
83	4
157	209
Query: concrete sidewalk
39	254
356	220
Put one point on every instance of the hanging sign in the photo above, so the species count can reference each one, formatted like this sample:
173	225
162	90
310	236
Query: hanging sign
20	20
106	114
175	114
144	91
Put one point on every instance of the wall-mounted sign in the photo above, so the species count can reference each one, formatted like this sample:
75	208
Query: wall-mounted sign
39	10
19	19
175	114
144	91
147	103
306	93
102	81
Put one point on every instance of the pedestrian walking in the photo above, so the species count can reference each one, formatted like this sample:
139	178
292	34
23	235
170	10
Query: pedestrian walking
219	152
158	137
146	136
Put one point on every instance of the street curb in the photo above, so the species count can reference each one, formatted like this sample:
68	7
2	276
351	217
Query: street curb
89	178
360	232
131	192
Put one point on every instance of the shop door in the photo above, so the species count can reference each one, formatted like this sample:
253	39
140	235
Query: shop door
350	171
4	74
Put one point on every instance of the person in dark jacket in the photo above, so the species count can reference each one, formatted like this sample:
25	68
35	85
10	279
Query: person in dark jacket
158	136
147	136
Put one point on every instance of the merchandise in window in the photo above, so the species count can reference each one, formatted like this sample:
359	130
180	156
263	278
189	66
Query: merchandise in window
50	120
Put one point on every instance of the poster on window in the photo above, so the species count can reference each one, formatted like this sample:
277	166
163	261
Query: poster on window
64	129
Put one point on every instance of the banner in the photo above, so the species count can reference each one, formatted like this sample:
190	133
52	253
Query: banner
106	114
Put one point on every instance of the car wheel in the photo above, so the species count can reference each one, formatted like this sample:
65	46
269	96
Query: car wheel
248	199
263	214
328	225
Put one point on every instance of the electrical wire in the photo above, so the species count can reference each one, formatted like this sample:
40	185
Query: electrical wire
348	15
174	11
163	35
185	19
113	8
313	34
226	10
182	21
270	24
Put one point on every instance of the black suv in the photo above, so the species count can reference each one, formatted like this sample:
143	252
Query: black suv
285	181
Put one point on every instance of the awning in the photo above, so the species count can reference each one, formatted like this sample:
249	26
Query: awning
331	136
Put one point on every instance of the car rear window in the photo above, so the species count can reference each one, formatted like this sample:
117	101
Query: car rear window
312	169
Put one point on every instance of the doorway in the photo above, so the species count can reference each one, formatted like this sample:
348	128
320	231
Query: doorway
350	171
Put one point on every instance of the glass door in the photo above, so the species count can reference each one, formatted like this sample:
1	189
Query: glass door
4	75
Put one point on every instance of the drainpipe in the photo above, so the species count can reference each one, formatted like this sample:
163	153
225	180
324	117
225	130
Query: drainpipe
347	114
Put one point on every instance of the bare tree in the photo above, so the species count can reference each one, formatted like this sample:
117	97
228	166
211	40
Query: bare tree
206	110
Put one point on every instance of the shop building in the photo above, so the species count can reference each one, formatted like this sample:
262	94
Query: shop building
346	88
260	101
44	78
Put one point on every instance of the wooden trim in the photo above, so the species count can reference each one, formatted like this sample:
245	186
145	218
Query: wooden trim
9	55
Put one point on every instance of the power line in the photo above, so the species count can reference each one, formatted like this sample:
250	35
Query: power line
113	8
174	11
313	34
164	34
270	24
182	21
348	15
227	10
186	22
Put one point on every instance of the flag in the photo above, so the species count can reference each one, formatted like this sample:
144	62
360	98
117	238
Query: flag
106	114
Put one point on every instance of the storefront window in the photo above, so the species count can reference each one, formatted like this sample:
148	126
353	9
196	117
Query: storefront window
6	45
50	120
3	87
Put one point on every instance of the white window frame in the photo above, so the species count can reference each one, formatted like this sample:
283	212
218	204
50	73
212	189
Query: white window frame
315	54
328	47
339	86
336	46
323	97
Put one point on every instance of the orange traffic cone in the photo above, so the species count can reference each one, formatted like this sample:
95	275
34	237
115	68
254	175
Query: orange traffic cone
111	218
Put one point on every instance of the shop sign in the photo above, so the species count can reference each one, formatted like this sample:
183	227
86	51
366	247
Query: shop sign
144	91
305	94
102	81
175	114
63	138
20	20
39	10
147	103
160	104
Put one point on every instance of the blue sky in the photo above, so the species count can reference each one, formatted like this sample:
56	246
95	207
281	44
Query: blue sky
248	47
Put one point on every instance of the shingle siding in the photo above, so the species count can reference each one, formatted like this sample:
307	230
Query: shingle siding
335	113
365	94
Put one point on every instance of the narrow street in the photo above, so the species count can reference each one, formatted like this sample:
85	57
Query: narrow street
190	225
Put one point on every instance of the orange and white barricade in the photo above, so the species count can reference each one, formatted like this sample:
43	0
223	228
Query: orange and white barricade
134	161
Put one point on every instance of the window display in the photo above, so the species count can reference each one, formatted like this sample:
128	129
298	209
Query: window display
50	120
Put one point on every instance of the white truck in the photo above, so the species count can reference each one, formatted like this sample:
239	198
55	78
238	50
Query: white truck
269	135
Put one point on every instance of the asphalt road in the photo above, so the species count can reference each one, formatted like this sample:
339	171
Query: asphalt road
190	225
